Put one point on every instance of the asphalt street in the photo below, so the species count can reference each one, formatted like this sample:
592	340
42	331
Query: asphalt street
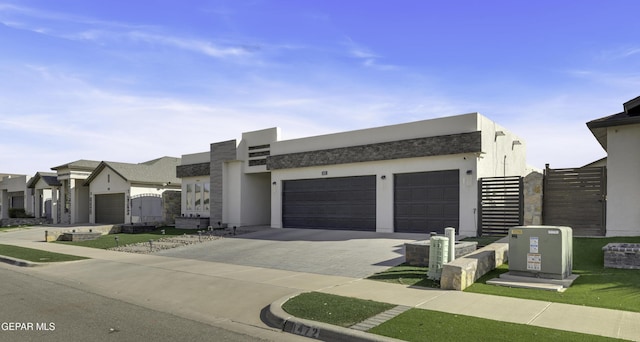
35	309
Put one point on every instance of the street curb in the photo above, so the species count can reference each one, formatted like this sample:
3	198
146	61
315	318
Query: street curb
280	319
19	262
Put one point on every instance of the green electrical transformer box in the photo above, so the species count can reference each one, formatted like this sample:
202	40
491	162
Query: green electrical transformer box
541	251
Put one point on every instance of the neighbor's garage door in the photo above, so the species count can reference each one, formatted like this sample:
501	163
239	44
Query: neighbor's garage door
330	203
110	208
427	201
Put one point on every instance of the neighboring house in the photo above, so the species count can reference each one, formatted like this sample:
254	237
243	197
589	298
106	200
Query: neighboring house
130	193
43	185
14	194
71	199
619	135
413	177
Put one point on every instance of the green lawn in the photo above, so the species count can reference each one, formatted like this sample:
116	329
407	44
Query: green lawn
425	325
332	309
597	286
108	241
35	255
421	325
406	275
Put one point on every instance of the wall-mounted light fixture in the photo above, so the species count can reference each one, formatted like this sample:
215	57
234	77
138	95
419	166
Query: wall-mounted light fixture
469	172
274	183
499	134
324	173
515	142
383	177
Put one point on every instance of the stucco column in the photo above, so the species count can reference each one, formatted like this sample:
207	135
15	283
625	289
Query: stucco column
37	204
55	205
5	204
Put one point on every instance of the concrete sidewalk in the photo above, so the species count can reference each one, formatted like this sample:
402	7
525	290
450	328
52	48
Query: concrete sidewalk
234	295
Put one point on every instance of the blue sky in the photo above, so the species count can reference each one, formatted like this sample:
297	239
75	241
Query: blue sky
131	81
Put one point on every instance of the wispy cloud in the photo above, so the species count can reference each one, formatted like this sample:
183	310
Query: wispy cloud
79	28
367	57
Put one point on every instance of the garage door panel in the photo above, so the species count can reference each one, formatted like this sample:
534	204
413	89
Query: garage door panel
330	203
426	201
109	208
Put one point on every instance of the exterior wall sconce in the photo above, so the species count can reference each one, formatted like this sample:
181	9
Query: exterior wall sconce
515	142
499	134
383	177
469	172
274	183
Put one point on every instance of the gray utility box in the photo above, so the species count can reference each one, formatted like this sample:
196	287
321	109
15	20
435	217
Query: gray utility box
541	251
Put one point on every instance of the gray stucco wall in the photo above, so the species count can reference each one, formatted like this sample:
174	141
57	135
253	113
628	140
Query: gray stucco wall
220	152
410	148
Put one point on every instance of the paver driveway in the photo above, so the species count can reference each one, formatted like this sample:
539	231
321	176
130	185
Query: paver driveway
331	252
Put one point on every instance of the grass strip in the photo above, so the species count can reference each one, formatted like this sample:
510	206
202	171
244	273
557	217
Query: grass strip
332	309
406	275
35	255
425	325
109	241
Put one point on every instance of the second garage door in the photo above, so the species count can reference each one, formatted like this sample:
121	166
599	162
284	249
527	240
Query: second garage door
110	208
330	203
426	201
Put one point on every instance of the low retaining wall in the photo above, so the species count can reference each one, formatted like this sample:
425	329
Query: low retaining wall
192	222
23	222
79	236
417	253
622	255
54	234
461	273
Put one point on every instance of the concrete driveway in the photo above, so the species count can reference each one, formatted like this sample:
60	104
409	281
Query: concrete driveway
331	252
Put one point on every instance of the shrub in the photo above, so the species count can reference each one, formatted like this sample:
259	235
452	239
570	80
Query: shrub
18	213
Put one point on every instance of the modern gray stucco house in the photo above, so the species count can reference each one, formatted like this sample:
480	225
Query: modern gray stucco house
412	177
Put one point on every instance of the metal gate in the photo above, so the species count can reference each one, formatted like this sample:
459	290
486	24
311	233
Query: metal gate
500	204
576	198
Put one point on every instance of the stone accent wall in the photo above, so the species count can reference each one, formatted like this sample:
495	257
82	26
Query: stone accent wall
410	148
193	170
463	272
220	152
171	206
24	222
533	199
622	255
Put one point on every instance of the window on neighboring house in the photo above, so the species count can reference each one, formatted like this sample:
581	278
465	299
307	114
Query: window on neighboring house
198	196
189	196
207	191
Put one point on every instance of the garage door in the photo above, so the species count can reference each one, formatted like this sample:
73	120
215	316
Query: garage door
110	208
427	201
330	203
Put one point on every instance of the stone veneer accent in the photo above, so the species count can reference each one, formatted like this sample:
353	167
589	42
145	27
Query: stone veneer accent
220	152
622	255
532	190
193	170
171	205
410	148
